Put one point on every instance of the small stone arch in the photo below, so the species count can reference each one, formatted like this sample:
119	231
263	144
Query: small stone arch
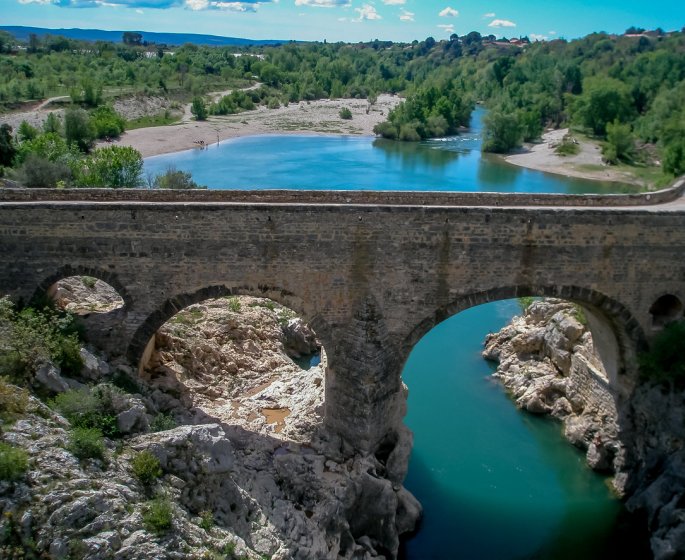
629	335
139	345
666	309
68	270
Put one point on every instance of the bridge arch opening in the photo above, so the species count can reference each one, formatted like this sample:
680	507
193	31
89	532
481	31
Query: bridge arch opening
666	309
239	360
459	437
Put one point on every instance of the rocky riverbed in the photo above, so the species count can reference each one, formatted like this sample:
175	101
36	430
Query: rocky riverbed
249	450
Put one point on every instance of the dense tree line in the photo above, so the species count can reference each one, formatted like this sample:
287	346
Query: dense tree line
628	91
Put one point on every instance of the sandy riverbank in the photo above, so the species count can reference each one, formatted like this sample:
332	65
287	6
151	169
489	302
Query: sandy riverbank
586	164
315	117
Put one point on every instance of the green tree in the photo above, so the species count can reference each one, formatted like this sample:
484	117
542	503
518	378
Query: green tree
604	100
106	122
620	144
52	124
78	129
26	131
199	109
176	180
7	147
501	132
111	167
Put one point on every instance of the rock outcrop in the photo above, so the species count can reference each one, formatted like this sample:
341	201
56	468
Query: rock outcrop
250	451
547	361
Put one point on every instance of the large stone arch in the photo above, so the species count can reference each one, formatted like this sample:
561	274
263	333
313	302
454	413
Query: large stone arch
629	335
138	345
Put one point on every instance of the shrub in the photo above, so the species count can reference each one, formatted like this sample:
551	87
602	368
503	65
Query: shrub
568	146
206	520
158	516
163	422
345	114
14	462
13	400
87	443
174	179
525	302
37	173
234	304
86	408
32	337
146	468
89	281
106	122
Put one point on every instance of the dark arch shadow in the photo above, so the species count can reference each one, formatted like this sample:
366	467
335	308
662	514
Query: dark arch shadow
629	334
69	270
174	304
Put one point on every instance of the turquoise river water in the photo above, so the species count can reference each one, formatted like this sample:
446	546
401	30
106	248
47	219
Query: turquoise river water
496	483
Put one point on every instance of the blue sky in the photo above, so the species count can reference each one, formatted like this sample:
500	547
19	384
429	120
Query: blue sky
351	20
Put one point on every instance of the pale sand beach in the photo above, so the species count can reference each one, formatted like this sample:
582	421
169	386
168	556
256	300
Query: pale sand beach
305	117
587	164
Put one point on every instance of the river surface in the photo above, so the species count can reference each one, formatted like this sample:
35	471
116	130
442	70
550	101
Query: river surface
496	483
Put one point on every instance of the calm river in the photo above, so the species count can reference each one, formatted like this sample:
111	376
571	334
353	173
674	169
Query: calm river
496	483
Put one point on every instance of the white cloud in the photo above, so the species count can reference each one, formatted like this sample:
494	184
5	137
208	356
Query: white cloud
538	37
448	12
501	23
195	5
322	3
489	15
552	32
449	28
394	2
406	15
367	11
141	12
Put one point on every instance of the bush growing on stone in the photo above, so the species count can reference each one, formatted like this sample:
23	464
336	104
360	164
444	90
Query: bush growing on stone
87	443
13	400
14	462
345	114
158	516
234	304
206	520
31	337
162	422
146	468
89	408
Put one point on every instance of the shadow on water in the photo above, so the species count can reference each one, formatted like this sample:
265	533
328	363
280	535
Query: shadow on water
413	155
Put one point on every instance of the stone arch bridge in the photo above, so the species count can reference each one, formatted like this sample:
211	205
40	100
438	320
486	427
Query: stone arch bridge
372	272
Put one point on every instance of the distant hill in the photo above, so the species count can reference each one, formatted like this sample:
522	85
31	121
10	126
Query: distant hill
22	33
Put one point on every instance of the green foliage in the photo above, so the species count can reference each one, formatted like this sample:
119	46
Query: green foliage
158	516
234	304
13	400
620	145
90	408
14	462
146	468
206	520
31	337
568	146
87	443
199	109
345	113
38	172
603	101
52	124
26	131
665	360
162	422
7	147
235	102
111	167
78	129
525	302
49	146
107	123
579	314
176	180
501	133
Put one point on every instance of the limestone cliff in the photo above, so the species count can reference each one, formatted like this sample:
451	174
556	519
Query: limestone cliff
250	449
547	361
